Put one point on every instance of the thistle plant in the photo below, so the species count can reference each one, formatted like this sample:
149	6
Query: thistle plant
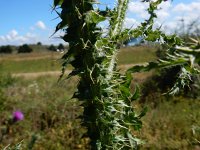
105	92
16	117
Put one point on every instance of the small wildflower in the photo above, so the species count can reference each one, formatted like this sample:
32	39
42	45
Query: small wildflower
18	116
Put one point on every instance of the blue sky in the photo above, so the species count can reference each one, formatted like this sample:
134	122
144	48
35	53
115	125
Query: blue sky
20	14
30	21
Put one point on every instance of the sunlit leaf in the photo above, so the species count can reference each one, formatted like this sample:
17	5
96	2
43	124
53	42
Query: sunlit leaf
58	2
94	17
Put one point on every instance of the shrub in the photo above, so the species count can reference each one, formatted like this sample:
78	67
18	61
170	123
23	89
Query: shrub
164	79
25	49
161	82
39	43
157	84
52	48
6	49
61	47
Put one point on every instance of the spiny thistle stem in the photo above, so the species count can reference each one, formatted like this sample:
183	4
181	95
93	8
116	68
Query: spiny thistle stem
107	107
104	92
116	23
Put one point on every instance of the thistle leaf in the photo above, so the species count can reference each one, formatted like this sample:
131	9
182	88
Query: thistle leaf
143	112
58	2
94	17
136	94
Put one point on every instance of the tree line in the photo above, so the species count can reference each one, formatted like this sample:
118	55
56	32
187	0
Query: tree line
26	48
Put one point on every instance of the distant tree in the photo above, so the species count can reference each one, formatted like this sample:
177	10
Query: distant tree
39	43
52	48
25	49
188	30
61	46
6	49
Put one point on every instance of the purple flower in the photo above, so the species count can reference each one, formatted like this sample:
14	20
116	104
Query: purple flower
18	116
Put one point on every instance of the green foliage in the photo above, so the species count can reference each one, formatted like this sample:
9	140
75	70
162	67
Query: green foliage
105	92
39	43
61	46
165	78
187	58
52	48
25	49
6	49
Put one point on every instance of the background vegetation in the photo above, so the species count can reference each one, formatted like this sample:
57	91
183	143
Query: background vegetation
51	117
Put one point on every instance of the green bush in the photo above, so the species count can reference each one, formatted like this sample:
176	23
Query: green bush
61	47
154	89
25	49
52	48
6	49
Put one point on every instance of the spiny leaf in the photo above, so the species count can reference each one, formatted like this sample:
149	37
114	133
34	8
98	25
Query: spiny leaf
58	2
143	68
153	35
94	17
125	91
143	112
128	80
131	140
60	26
136	94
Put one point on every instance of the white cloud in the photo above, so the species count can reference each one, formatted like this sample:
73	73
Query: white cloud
188	12
13	38
41	25
138	8
13	33
164	11
181	8
169	15
2	38
130	22
186	8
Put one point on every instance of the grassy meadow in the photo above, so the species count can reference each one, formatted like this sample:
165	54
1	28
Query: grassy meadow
33	62
51	116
